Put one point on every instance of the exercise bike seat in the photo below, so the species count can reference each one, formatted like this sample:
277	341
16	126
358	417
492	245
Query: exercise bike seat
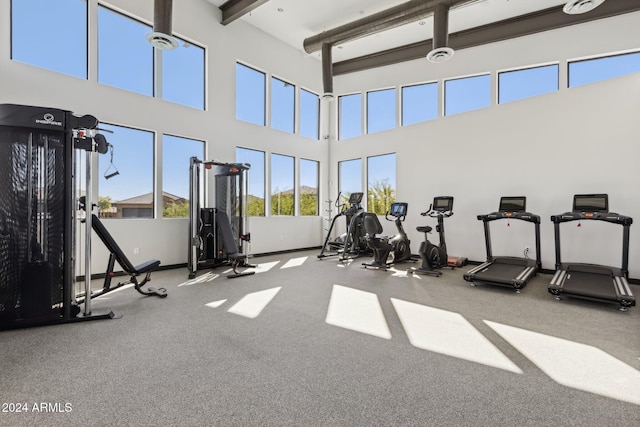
424	228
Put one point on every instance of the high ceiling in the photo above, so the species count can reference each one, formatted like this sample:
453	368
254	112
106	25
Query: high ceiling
293	21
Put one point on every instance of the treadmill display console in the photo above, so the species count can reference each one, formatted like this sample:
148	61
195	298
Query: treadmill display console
513	204
590	203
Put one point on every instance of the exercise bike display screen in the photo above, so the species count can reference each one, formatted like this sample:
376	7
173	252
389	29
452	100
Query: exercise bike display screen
443	203
591	203
398	210
513	204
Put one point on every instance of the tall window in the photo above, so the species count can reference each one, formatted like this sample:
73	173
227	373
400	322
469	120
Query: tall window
519	84
349	177
129	194
466	94
176	156
419	103
350	115
381	183
282	105
593	70
308	187
381	110
125	58
309	114
282	185
183	75
255	203
50	34
250	95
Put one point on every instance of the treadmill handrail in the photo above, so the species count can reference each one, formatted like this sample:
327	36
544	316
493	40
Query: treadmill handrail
612	217
524	216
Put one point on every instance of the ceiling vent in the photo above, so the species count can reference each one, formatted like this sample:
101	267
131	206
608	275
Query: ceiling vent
161	36
441	52
575	7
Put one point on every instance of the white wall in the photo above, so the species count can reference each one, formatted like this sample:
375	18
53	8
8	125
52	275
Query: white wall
578	140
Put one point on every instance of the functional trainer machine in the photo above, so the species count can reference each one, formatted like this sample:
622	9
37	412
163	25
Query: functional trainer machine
513	272
398	246
352	243
218	235
434	257
591	281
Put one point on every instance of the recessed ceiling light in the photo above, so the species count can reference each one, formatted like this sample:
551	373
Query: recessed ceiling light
574	7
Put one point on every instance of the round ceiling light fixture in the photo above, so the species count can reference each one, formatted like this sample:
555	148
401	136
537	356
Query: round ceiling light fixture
440	54
575	7
162	41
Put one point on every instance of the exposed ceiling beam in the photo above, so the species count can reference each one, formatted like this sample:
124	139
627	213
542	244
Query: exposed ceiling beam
545	20
235	9
402	14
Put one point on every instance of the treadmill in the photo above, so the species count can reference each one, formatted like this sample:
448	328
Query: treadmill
591	281
513	272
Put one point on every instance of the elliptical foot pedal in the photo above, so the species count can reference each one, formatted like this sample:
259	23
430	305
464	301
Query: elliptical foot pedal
246	273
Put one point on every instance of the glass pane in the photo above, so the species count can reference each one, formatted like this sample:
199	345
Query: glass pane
309	114
183	75
350	177
32	32
350	112
519	84
381	183
419	103
282	185
250	95
255	179
282	105
381	110
125	58
130	193
593	70
308	187
466	94
176	157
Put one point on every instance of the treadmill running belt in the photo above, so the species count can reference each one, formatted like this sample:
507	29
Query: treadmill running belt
590	285
499	272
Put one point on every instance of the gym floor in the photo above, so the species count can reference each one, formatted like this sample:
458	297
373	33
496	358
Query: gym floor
310	342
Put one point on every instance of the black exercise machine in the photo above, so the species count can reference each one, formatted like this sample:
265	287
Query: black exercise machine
591	281
434	257
513	272
352	243
217	235
397	246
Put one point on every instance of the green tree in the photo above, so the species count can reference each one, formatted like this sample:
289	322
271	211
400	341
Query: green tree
255	206
309	203
104	203
282	202
172	209
380	197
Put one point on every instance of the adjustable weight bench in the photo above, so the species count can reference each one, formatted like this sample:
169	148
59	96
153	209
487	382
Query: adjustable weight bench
116	254
230	247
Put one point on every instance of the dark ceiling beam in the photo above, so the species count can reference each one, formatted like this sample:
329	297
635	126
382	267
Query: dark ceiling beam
545	20
235	9
396	16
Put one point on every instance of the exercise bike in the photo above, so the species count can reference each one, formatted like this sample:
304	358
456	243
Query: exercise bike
397	246
435	257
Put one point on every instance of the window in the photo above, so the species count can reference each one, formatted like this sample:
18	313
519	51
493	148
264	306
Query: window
466	94
519	84
36	24
250	95
309	114
130	193
349	177
282	185
350	115
381	183
419	103
183	75
282	105
593	70
255	204
381	110
309	187
125	58
176	157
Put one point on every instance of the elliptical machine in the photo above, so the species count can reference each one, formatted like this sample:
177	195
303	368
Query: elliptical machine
351	243
435	257
398	246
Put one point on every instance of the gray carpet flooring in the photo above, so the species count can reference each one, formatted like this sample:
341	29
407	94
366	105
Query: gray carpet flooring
179	362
